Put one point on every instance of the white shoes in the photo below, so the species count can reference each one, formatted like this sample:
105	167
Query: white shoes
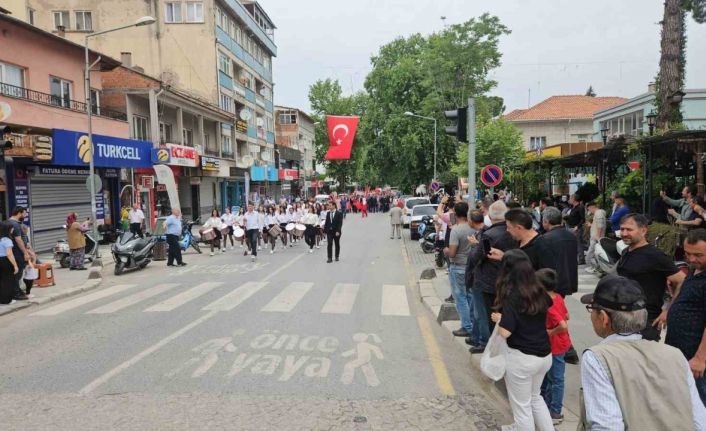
311	251
223	250
253	259
259	247
241	245
211	253
318	246
272	252
231	247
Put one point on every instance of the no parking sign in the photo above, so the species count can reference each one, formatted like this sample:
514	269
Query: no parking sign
491	175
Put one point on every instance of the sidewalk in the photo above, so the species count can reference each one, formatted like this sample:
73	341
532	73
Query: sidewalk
434	291
68	283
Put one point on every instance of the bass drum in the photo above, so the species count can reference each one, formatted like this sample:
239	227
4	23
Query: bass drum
299	230
238	232
290	227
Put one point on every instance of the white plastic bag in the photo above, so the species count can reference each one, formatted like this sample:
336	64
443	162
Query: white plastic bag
494	358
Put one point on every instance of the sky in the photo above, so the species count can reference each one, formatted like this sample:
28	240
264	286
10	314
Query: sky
556	46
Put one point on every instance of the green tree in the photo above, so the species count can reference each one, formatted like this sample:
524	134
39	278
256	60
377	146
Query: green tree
498	142
326	98
590	92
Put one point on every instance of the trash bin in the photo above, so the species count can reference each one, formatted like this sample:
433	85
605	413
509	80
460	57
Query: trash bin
159	251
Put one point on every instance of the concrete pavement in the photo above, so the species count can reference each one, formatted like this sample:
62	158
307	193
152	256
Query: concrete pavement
288	341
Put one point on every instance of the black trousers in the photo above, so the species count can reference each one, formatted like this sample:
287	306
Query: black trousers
136	228
7	281
252	240
310	236
489	301
174	253
332	238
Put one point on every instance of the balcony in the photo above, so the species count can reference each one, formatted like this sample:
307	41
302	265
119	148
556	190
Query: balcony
58	102
213	152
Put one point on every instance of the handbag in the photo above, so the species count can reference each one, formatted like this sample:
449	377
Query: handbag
494	358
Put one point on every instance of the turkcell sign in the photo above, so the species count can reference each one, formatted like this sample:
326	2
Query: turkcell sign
72	148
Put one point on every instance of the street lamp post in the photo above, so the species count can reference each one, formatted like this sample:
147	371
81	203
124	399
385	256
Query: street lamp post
412	114
651	122
145	20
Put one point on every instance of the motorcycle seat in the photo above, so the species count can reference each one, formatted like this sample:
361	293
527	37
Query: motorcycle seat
140	244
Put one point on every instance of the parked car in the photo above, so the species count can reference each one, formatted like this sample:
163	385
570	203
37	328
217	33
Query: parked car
410	203
417	213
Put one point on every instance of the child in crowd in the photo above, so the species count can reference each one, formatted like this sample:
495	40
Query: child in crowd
558	330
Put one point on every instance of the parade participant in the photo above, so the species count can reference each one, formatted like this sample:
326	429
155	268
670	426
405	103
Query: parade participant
214	222
270	221
239	222
311	221
172	227
261	214
292	217
283	219
332	226
321	212
228	219
252	227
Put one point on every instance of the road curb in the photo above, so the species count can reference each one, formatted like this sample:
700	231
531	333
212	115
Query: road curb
94	280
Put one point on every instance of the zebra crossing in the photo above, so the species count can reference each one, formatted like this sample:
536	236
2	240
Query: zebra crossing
587	282
340	299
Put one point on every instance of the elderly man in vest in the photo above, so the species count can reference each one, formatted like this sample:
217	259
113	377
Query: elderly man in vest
630	383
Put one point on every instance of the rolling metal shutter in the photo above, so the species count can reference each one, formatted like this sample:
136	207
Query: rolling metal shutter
51	199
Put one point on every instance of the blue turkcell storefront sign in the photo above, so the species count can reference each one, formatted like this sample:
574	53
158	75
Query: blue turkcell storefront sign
71	148
264	173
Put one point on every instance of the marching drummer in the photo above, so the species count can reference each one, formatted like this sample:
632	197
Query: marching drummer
239	223
270	222
293	219
261	215
283	220
228	219
311	221
214	224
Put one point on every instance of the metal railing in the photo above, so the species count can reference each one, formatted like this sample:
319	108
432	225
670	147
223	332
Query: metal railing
16	92
211	152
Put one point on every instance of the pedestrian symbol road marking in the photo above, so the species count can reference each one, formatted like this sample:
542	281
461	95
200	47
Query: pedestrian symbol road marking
184	297
235	298
364	352
394	300
288	298
83	300
341	299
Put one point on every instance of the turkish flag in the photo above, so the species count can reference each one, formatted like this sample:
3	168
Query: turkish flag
341	132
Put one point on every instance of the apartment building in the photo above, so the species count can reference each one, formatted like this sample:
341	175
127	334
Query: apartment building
217	51
295	137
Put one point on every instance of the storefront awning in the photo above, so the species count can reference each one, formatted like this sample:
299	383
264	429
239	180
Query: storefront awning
71	148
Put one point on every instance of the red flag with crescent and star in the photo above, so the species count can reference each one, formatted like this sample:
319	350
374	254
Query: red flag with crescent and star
341	132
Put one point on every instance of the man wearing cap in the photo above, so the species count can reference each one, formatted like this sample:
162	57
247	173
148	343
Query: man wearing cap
650	268
628	383
686	320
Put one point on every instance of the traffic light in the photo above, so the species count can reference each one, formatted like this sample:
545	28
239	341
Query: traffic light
460	117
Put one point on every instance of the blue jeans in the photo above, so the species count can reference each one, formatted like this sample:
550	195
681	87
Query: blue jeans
480	317
701	387
457	278
553	385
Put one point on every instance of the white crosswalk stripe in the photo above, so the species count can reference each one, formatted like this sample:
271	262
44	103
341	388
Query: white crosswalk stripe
83	300
132	299
341	299
288	298
394	300
184	297
235	298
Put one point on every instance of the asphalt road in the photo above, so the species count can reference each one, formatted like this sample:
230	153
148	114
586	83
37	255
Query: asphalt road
287	342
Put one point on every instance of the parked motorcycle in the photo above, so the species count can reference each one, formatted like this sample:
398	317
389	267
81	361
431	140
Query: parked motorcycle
62	253
428	241
132	252
109	234
187	237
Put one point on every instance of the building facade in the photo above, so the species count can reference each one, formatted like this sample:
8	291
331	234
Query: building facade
629	118
42	101
559	120
217	51
295	137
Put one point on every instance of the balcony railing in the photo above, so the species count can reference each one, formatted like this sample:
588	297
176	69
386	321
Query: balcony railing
60	102
211	152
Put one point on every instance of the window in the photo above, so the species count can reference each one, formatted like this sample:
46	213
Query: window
95	101
194	12
84	21
538	142
13	79
224	63
219	17
227	146
288	117
226	103
205	140
188	135
165	133
582	138
60	92
173	12
140	128
30	15
61	18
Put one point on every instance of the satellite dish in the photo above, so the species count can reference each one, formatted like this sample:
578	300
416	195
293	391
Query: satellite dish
248	160
245	114
260	122
264	155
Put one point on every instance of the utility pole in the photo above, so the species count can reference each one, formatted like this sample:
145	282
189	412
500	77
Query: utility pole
471	150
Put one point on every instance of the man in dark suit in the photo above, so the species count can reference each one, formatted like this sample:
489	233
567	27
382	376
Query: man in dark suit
332	226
